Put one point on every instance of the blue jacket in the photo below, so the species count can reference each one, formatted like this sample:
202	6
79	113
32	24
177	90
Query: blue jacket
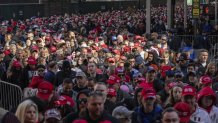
49	76
152	117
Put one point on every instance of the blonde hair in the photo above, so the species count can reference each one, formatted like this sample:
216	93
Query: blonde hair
22	108
45	50
209	66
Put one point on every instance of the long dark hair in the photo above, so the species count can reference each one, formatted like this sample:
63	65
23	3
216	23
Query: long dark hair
138	90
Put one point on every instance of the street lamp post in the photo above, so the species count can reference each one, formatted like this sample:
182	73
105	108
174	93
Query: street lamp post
139	4
185	14
169	14
148	16
215	12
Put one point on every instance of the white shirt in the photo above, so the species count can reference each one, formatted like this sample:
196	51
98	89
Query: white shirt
204	64
142	54
214	114
200	116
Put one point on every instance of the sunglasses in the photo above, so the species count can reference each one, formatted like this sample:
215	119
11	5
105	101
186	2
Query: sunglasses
83	100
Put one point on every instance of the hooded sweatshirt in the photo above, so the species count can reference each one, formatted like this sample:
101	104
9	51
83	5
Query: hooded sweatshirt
212	110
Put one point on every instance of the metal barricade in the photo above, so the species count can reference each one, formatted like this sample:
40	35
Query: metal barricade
209	42
213	40
10	95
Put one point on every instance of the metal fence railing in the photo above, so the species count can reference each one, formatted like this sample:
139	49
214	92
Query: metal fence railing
10	95
209	42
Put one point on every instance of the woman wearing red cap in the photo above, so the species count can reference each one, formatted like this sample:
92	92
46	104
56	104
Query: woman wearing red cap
206	100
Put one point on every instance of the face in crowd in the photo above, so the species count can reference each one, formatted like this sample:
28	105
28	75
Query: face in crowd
91	68
177	93
95	106
203	57
170	117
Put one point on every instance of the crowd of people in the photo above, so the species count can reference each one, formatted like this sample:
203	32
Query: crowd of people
103	68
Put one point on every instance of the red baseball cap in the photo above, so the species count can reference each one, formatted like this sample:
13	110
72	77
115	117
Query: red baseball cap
112	92
206	91
141	80
148	93
44	90
52	49
188	90
127	78
145	85
7	52
117	52
113	79
31	61
119	70
171	85
95	48
79	121
126	49
65	100
16	64
137	37
34	48
184	111
205	80
111	60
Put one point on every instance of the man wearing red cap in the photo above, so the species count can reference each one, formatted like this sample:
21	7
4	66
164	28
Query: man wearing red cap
30	69
184	111
152	81
45	91
16	75
205	81
207	100
36	80
8	58
149	112
114	82
65	104
198	115
18	57
111	96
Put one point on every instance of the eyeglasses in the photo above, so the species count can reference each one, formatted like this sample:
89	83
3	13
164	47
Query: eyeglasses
83	100
131	61
41	70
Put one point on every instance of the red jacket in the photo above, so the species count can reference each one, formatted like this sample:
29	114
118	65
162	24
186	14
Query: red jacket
36	80
206	91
